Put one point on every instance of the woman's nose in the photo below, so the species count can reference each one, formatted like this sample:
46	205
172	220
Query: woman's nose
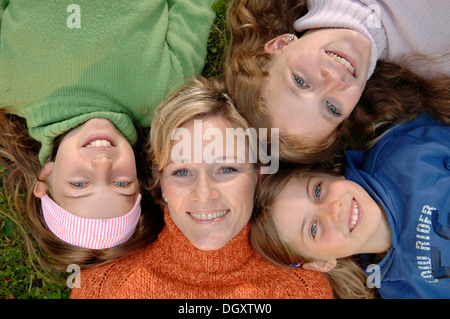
204	188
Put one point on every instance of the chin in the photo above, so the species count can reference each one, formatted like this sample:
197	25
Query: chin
209	245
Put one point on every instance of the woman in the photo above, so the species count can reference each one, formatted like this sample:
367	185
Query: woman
206	184
345	51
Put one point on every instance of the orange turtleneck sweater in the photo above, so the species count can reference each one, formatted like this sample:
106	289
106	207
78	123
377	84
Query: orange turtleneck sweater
172	267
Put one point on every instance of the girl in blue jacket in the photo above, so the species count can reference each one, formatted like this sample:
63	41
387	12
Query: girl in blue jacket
394	202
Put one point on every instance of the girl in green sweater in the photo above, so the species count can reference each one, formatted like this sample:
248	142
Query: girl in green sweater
77	81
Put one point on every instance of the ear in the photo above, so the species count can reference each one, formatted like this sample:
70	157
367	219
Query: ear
41	188
276	44
320	265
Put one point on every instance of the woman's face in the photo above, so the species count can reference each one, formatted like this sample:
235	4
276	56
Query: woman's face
315	81
328	217
209	191
94	172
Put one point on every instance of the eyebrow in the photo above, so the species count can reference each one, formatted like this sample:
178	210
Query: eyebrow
224	160
235	160
307	185
303	230
304	217
180	160
69	194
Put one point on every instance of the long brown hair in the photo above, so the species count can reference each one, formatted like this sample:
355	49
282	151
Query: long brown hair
347	279
21	168
393	94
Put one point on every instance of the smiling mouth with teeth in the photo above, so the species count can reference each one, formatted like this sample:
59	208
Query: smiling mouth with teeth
98	143
354	216
209	216
343	61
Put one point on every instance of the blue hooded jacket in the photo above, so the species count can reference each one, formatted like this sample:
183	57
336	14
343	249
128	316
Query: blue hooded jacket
408	173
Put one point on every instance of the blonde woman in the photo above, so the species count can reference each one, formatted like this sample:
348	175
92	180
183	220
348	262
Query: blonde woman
206	187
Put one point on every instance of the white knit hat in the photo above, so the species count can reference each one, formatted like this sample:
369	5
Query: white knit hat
347	14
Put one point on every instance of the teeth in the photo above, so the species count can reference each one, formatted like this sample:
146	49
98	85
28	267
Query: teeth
98	143
355	215
343	61
209	216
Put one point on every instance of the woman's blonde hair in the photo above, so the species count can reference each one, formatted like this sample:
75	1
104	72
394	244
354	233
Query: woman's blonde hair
199	98
347	279
393	93
20	172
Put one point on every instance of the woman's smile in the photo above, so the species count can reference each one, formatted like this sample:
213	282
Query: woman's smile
213	215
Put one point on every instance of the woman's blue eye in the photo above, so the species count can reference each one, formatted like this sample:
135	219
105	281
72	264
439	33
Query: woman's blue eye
332	109
314	229
181	172
300	82
122	184
317	191
227	170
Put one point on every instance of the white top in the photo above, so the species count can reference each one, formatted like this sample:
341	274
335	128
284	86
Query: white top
395	28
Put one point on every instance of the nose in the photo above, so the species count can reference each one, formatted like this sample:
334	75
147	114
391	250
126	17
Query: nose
331	80
334	211
204	188
102	164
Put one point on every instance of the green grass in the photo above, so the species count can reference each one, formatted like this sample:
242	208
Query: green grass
216	42
19	279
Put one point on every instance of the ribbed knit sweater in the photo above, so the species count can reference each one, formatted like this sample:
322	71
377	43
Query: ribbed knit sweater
173	268
63	62
395	28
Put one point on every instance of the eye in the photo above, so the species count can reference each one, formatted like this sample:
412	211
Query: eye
332	109
314	229
228	170
181	172
300	82
121	184
78	184
317	191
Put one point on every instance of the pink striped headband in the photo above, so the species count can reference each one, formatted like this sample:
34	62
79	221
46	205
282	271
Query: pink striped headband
87	232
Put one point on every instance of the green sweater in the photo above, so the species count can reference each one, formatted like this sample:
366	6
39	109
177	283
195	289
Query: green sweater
63	62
